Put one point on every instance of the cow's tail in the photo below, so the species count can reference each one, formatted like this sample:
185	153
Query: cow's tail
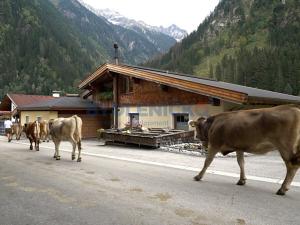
78	131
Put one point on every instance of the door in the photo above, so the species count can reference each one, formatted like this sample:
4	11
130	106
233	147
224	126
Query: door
181	121
134	119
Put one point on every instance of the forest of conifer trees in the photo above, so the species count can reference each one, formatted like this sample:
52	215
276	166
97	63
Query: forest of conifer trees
252	43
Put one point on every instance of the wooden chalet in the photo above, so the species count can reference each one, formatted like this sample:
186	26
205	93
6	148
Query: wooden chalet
165	99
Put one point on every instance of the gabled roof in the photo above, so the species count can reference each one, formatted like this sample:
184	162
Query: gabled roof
61	103
21	99
218	89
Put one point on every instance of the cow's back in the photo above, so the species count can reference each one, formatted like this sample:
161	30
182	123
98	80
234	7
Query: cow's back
64	128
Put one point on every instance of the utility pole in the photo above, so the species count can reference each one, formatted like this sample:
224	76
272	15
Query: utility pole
115	90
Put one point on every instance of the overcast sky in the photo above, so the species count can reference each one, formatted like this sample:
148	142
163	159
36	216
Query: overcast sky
187	14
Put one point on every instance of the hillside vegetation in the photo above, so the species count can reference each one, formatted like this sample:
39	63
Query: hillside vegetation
52	44
249	42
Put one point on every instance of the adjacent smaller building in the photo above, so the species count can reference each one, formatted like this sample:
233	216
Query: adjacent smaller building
28	108
13	102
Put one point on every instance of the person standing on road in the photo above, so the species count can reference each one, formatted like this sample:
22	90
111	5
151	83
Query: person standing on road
7	126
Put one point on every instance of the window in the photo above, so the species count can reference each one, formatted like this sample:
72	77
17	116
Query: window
39	118
127	85
26	119
181	121
214	101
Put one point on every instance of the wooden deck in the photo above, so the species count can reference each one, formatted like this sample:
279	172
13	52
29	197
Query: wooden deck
154	138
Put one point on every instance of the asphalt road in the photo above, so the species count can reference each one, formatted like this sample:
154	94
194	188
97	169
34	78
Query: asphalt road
116	185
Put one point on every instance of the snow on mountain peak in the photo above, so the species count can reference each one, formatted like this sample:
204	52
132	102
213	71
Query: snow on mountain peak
116	18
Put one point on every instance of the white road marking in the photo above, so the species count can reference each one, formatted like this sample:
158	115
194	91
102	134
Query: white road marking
221	173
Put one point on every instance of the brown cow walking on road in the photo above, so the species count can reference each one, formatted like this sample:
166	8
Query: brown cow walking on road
256	131
32	131
66	129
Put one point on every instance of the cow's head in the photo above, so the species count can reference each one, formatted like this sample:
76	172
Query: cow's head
202	126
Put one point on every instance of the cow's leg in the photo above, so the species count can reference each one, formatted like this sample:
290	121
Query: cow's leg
290	174
79	151
30	147
73	142
56	154
37	145
241	162
209	158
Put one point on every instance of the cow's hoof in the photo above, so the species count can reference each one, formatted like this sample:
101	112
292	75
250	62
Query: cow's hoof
280	192
54	156
73	157
57	157
30	148
79	160
37	149
241	182
197	178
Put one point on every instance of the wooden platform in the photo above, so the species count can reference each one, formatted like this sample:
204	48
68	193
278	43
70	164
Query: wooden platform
154	138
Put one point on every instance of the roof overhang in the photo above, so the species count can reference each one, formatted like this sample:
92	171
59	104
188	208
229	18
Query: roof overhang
269	101
94	76
206	90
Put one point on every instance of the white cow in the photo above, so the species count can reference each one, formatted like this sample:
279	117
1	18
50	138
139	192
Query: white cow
66	129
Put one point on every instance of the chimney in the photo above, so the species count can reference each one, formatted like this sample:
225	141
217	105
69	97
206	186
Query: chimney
116	53
56	94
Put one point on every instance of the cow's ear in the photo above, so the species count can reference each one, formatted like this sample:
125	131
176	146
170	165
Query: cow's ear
192	123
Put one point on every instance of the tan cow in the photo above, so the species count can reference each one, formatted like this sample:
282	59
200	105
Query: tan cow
32	131
256	131
16	129
44	130
66	129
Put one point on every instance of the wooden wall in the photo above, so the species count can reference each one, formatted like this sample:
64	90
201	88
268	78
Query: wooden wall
146	93
91	123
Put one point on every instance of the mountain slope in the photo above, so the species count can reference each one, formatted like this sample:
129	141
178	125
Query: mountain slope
249	42
162	38
51	44
38	54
